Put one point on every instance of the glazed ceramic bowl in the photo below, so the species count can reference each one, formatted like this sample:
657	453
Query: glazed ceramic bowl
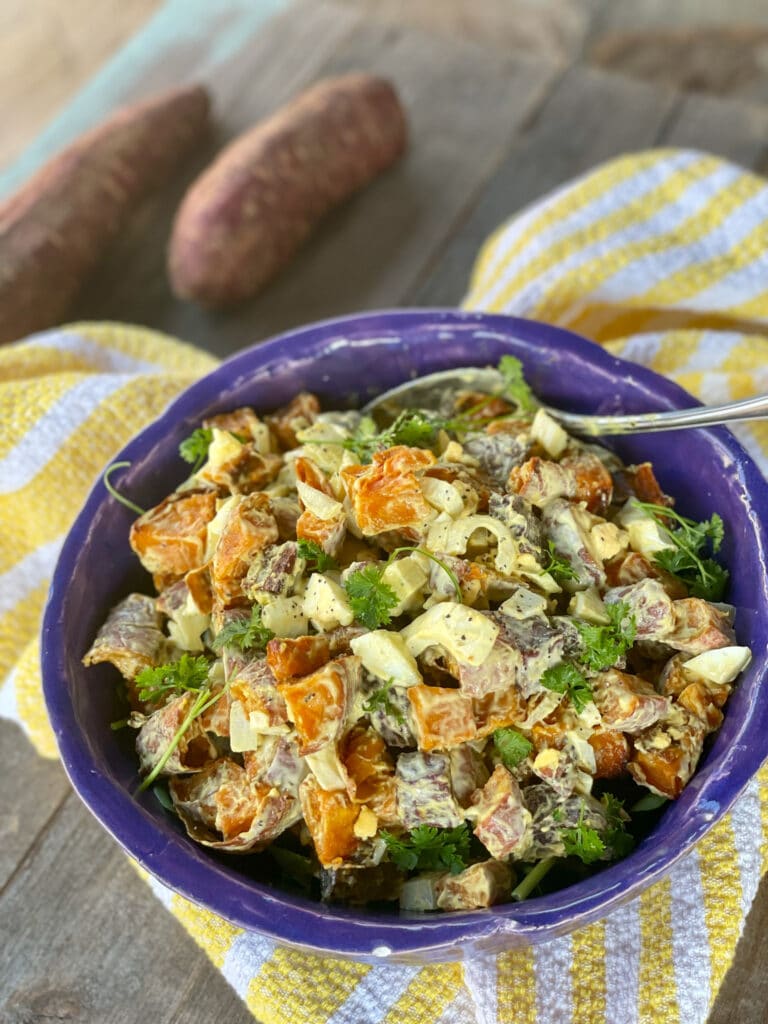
345	361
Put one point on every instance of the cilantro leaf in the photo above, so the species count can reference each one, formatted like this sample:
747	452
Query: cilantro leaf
317	560
369	597
582	841
515	387
512	746
177	677
566	678
195	447
428	848
247	634
615	835
688	560
379	700
557	566
603	646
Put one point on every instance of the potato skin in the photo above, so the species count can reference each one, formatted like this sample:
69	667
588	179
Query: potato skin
55	229
244	218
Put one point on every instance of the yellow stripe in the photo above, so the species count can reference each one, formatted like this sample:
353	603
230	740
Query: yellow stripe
426	998
721	884
31	516
18	626
610	176
301	988
577	282
747	354
756	307
762	778
516	987
23	404
141	343
588	974
29	700
657	997
211	932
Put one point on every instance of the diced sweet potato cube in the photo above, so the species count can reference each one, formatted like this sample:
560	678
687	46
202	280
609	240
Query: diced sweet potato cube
633	567
199	584
443	716
297	656
308	473
300	412
705	700
540	481
318	704
386	495
247	471
330	818
611	753
594	484
640	482
626	702
328	533
496	710
503	823
250	528
661	770
699	627
243	422
370	768
170	539
665	756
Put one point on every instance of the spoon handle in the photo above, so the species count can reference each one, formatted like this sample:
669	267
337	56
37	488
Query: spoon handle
648	422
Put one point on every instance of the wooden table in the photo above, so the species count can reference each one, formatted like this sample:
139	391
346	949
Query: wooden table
84	938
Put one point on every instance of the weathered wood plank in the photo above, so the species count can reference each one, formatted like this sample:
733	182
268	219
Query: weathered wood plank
743	997
90	941
590	117
464	107
738	131
25	806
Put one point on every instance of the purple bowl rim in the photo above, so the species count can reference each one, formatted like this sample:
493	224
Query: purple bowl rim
246	903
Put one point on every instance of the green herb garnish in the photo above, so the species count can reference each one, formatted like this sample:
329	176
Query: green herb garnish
205	699
615	835
558	567
566	678
246	634
412	427
511	746
177	677
515	387
582	841
649	802
195	447
688	561
116	494
428	848
380	700
603	646
316	558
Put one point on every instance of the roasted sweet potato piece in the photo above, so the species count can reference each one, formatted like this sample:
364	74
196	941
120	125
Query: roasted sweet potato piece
250	527
705	700
242	422
665	756
594	484
497	709
297	656
330	818
369	766
318	704
626	702
503	823
633	567
443	717
386	494
170	539
299	413
328	533
308	473
541	481
699	627
611	753
246	471
640	482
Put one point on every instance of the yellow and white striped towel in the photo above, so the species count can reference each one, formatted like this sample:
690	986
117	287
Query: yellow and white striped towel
662	257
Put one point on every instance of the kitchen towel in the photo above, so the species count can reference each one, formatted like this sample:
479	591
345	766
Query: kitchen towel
661	256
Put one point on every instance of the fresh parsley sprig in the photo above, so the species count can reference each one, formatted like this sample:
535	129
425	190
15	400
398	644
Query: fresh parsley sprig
590	844
381	700
558	567
316	558
247	634
689	560
413	428
603	646
566	678
372	600
428	848
194	449
156	683
511	746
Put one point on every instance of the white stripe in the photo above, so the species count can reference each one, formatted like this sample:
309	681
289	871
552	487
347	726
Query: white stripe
244	960
374	995
46	436
9	707
554	1004
653	266
28	574
624	193
461	1010
622	964
748	834
481	978
690	940
163	893
100	358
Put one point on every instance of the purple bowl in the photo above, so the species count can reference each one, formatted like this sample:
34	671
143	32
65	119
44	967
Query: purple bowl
347	360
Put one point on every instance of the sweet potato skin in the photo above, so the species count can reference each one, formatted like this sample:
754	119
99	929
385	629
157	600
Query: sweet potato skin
55	229
244	218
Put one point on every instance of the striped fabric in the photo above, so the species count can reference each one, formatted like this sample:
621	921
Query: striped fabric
661	257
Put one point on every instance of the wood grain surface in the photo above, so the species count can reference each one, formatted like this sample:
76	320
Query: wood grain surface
492	129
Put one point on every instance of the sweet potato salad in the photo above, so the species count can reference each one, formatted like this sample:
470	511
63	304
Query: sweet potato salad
448	661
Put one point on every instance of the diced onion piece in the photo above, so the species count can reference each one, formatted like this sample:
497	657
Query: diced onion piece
466	634
588	605
327	768
452	538
285	616
407	577
718	666
548	432
442	495
645	534
319	503
325	604
385	655
420	893
524	604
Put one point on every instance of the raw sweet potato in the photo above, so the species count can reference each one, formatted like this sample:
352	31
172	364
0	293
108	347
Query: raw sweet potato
54	230
245	217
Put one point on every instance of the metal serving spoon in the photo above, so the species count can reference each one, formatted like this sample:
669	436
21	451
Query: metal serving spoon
427	392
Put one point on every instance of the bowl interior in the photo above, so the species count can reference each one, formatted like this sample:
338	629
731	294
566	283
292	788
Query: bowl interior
345	362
